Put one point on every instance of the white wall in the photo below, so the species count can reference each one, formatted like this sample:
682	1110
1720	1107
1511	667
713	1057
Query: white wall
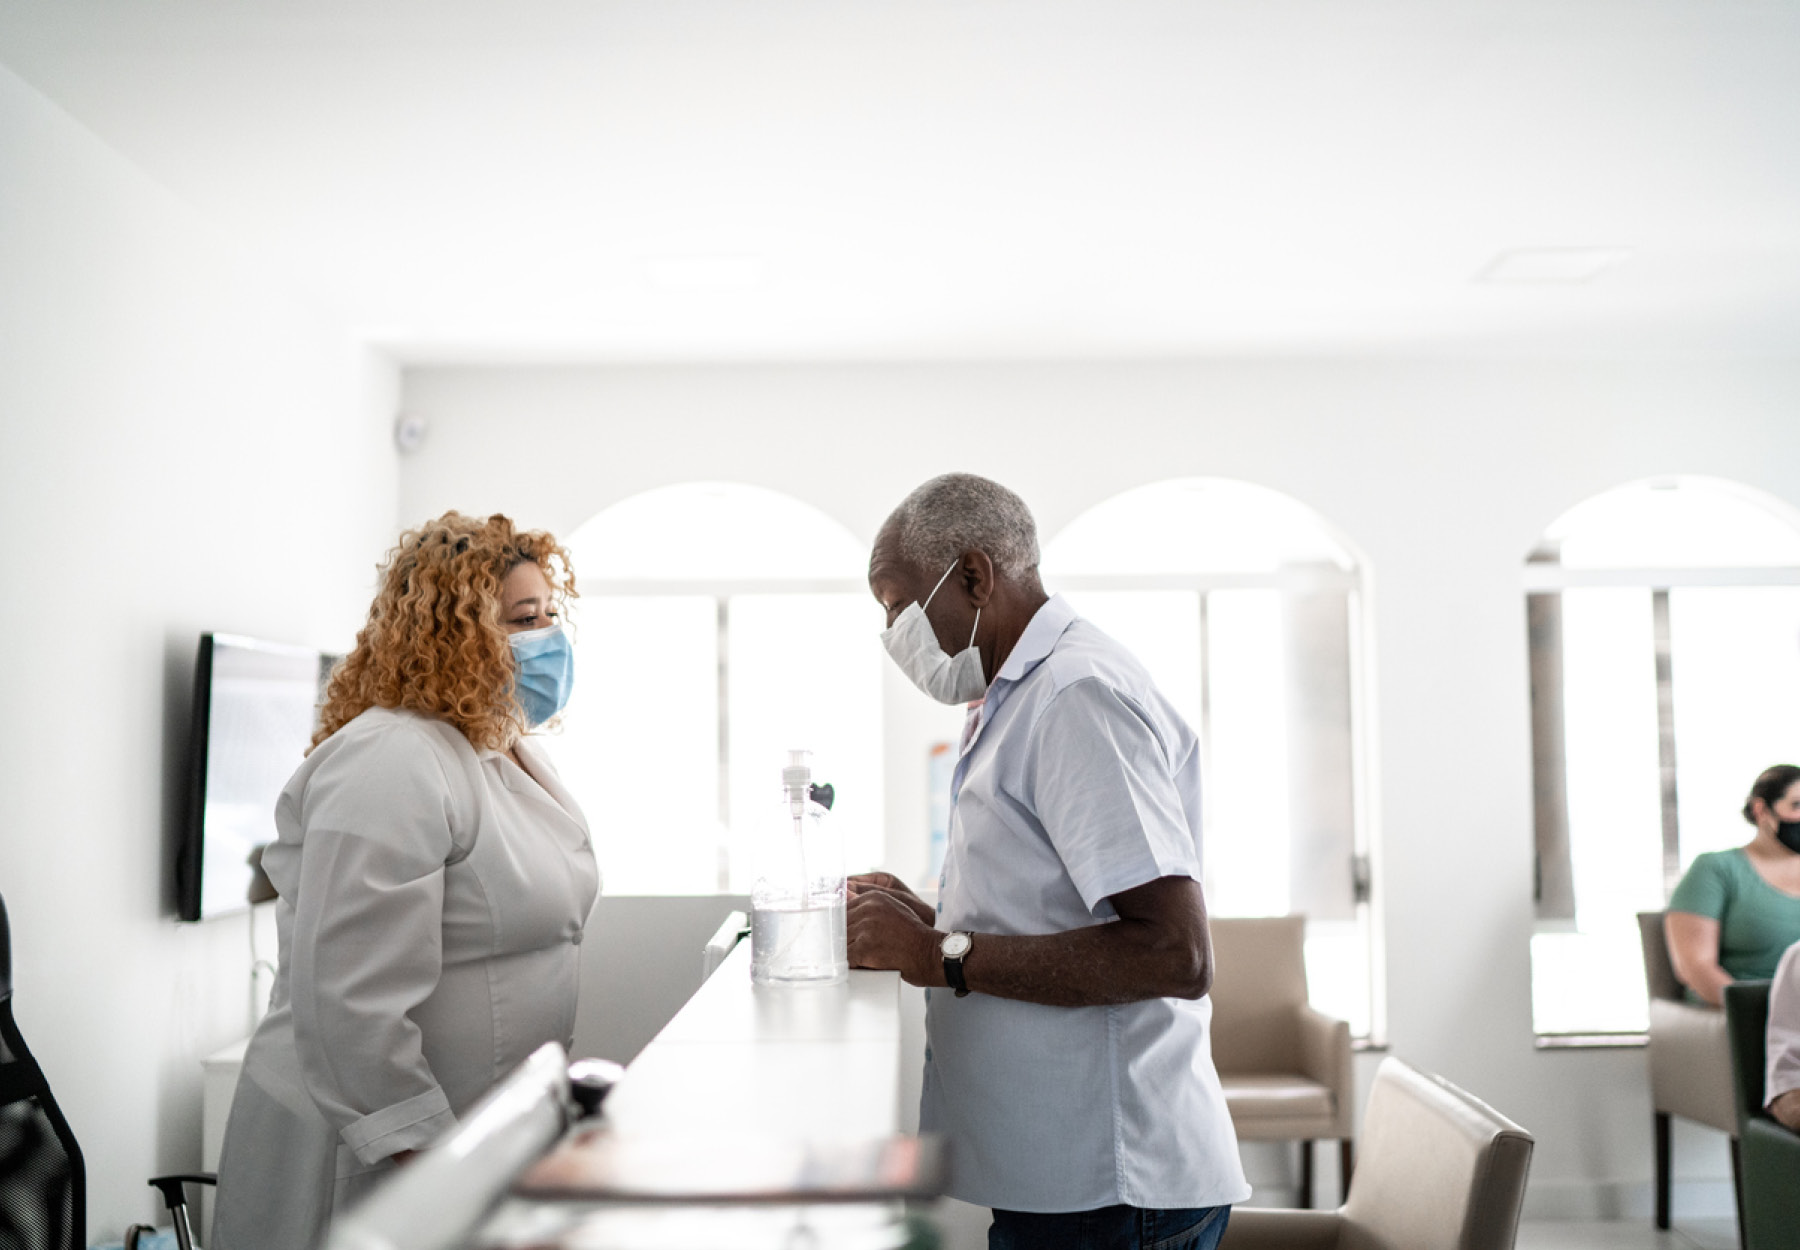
183	446
1442	472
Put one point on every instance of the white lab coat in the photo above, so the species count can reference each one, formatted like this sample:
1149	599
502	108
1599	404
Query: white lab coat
431	914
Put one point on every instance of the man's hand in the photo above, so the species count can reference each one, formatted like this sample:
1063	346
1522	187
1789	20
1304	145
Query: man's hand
885	929
888	883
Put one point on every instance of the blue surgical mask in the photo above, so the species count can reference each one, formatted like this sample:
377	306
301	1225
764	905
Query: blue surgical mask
546	672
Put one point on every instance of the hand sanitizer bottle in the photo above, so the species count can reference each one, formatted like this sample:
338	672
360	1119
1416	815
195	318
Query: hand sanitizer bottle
797	903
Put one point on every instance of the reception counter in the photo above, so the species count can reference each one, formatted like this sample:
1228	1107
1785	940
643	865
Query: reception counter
740	1076
759	1116
819	1062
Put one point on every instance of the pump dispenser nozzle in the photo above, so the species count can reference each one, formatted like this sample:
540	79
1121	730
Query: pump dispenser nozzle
796	779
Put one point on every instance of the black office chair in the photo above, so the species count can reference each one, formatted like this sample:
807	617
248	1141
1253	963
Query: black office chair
174	1192
43	1180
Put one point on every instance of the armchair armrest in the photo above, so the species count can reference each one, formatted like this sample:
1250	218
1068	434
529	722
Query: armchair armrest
1325	1057
1690	1064
1779	1142
1260	1228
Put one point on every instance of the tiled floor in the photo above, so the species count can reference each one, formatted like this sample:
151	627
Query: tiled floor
1627	1235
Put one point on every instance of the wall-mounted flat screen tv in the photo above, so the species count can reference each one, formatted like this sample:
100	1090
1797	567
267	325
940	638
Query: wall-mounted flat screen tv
255	707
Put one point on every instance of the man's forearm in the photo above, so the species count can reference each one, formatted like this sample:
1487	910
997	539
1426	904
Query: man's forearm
1158	947
1125	961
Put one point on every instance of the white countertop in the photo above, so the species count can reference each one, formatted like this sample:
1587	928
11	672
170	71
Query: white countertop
745	1063
789	1061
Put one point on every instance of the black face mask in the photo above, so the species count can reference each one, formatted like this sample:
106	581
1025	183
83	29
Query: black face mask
1788	831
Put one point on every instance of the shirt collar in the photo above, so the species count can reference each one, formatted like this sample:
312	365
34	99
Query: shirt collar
522	743
1039	639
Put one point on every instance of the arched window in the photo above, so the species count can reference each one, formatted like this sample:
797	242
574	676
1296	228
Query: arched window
1664	622
1246	607
719	626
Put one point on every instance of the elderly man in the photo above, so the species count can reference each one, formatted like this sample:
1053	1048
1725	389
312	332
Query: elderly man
1068	1058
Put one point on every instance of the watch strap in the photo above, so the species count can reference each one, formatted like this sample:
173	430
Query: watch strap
953	973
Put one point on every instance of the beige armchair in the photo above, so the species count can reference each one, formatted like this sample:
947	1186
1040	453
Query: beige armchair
1285	1067
1440	1170
1690	1062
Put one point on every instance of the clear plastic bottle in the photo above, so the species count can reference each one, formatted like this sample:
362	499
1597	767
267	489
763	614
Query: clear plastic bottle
797	903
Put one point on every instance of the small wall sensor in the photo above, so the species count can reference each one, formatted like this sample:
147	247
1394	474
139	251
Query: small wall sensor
409	431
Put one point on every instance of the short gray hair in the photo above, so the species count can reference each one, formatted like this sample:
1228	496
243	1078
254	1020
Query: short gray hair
960	512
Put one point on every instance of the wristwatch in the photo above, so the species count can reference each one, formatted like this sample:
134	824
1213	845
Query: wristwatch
956	948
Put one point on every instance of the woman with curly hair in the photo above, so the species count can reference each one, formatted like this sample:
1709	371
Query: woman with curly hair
434	880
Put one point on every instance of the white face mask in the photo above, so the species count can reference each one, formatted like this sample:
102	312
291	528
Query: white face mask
914	645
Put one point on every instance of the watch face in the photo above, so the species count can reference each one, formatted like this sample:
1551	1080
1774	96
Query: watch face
956	946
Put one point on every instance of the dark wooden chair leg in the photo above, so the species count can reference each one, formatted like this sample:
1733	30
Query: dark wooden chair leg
1737	1186
1346	1160
1662	1169
1306	1175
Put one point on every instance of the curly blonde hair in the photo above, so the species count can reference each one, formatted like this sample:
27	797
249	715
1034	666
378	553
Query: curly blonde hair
434	642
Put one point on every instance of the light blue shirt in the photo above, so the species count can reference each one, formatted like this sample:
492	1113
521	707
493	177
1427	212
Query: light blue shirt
1079	781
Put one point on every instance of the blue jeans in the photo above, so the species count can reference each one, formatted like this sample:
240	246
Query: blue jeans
1110	1228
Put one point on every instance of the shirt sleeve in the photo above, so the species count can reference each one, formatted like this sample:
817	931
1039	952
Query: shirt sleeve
1784	1027
367	942
1705	890
1105	793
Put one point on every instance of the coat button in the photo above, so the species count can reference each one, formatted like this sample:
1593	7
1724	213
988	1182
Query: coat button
575	938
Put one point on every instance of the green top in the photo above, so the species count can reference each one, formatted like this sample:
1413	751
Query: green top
1757	922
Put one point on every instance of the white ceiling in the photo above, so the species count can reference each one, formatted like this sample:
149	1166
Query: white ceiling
600	179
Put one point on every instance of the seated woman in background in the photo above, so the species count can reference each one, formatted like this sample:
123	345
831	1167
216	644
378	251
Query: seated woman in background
434	881
1736	911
